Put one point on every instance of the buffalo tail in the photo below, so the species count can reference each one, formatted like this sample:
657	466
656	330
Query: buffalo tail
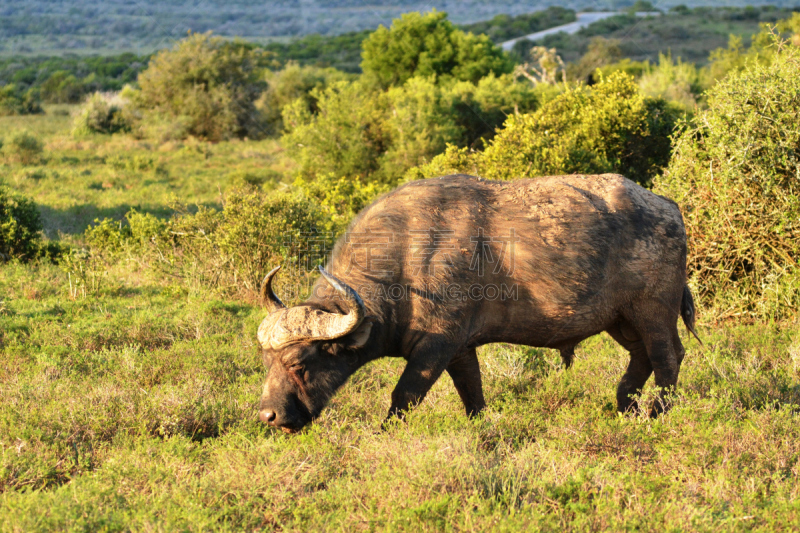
687	312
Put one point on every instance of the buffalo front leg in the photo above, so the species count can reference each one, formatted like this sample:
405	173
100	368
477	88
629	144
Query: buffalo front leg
465	371
424	367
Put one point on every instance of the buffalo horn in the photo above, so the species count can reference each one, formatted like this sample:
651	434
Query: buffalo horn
355	314
268	298
307	323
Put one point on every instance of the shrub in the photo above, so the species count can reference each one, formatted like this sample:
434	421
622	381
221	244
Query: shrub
600	53
20	227
429	45
609	127
101	113
418	124
206	84
290	83
632	68
63	88
481	109
345	137
23	147
16	102
340	199
263	178
675	81
736	174
361	132
229	250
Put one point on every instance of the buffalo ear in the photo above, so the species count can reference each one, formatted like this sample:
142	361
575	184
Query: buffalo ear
360	336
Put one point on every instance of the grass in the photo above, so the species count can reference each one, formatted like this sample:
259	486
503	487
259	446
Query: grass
78	180
133	407
136	409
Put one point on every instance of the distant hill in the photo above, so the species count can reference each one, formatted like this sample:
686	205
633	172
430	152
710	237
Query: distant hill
31	27
688	33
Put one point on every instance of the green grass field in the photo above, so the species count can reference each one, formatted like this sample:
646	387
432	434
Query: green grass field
132	407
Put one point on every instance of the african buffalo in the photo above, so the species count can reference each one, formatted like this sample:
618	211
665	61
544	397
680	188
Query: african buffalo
438	267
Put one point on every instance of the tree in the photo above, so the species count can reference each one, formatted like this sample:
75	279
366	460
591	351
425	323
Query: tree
429	45
207	84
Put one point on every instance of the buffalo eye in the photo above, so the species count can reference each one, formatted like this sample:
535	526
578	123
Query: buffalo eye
297	373
330	347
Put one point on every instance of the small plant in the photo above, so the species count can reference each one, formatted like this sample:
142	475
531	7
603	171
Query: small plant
85	275
101	114
23	147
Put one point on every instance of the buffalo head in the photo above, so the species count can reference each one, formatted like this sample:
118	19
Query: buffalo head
310	351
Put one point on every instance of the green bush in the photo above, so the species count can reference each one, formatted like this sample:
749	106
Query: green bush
20	227
480	110
609	127
340	199
101	114
429	45
361	132
14	101
632	68
63	88
736	174
229	250
205	84
418	125
600	53
290	83
23	147
265	178
675	81
344	137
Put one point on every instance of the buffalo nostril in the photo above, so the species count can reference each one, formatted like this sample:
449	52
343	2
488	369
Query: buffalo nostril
268	417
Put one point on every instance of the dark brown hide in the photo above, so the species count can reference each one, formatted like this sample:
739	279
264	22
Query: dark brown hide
446	265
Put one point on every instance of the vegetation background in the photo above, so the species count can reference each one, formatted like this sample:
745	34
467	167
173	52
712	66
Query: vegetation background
143	196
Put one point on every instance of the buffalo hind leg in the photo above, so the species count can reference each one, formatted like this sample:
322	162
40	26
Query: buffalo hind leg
657	324
567	356
639	367
465	371
677	345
